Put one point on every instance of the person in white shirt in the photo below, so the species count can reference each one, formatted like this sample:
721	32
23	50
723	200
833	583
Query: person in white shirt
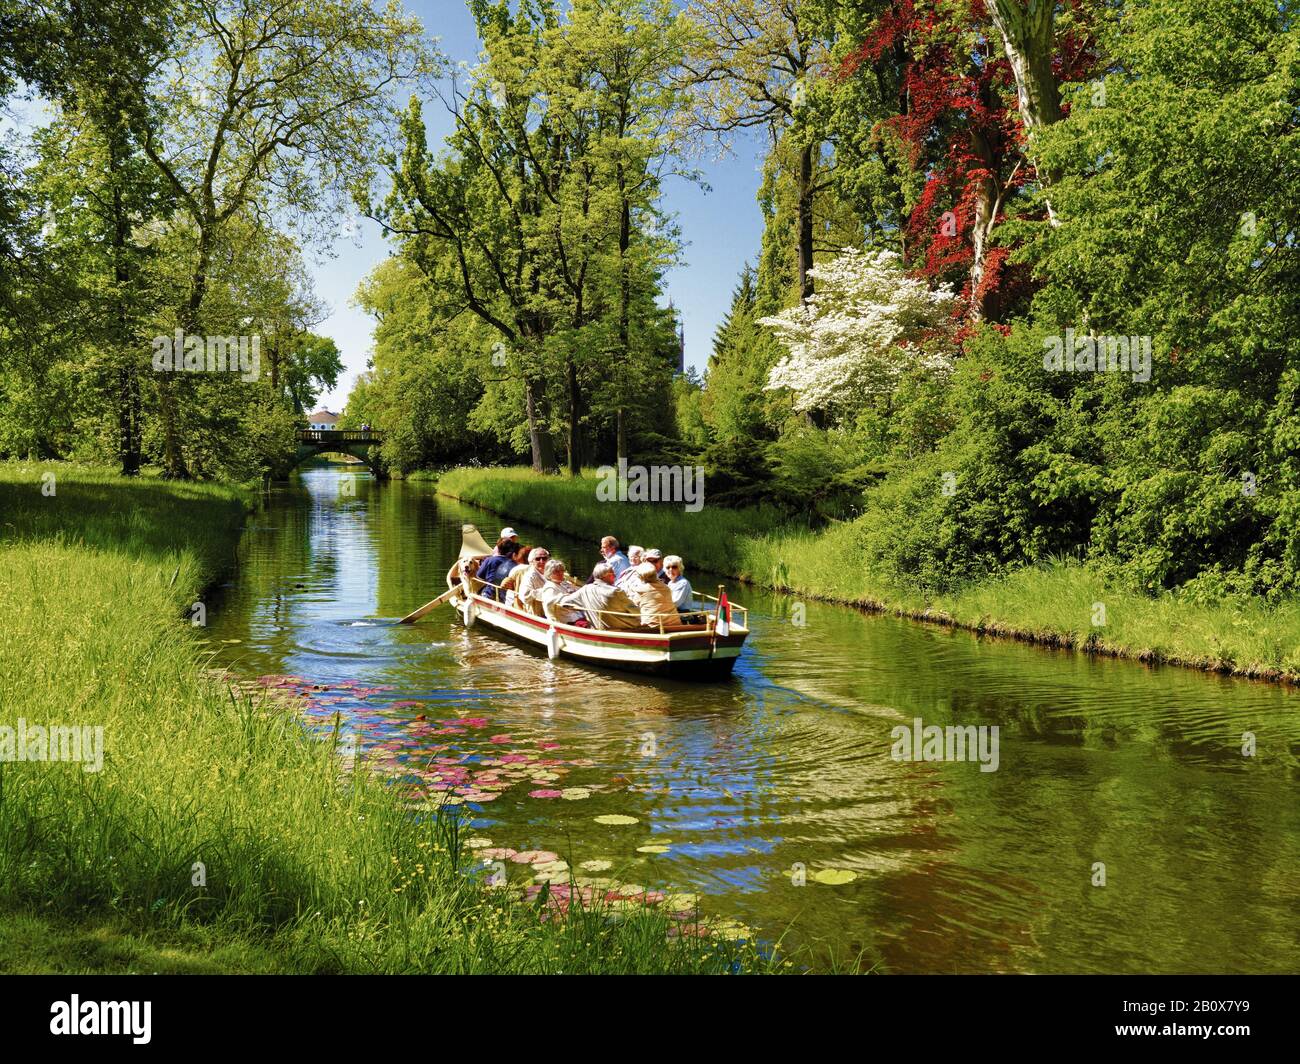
627	577
530	584
683	593
554	590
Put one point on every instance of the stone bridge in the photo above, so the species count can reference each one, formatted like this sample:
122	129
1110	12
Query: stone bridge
355	442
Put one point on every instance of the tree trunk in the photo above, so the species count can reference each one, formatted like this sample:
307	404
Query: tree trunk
1027	31
543	452
571	380
173	458
1028	37
624	310
128	426
804	192
982	302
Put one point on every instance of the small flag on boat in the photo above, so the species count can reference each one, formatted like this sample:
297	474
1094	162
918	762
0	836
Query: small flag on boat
723	627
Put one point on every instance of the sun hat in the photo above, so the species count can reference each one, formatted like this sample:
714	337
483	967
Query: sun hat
508	533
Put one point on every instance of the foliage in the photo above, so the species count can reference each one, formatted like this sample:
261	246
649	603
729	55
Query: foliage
867	326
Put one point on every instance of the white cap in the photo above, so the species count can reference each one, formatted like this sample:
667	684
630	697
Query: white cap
508	533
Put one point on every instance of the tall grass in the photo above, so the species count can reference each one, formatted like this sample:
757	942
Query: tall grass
218	835
1053	603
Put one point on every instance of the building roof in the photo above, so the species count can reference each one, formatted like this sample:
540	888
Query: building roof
322	416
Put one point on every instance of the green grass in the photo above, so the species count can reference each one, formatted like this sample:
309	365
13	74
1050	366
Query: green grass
1051	603
307	870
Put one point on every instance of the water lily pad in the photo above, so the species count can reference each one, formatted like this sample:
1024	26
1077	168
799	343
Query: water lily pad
731	929
597	865
616	818
572	794
545	793
833	877
652	848
478	843
534	856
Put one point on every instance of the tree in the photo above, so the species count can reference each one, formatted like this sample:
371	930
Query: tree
528	218
752	65
867	326
273	111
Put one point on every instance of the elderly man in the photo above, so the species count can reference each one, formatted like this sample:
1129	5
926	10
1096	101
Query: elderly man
616	559
656	558
653	597
529	585
555	590
605	605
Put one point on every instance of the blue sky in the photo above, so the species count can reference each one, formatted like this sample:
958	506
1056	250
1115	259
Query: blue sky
721	229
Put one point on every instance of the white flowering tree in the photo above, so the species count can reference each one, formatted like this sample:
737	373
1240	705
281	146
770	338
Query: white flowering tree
867	325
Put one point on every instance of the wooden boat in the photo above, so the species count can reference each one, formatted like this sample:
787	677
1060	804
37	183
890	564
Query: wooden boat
701	651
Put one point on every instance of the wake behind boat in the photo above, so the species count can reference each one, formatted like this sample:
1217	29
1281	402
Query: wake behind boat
703	647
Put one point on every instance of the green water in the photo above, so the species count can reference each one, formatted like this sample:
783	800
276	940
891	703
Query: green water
788	766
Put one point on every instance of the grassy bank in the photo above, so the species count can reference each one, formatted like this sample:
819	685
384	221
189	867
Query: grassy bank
1054	604
302	870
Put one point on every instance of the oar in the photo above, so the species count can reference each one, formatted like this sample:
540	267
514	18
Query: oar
411	618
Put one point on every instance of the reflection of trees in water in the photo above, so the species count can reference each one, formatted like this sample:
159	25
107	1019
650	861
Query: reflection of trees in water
957	870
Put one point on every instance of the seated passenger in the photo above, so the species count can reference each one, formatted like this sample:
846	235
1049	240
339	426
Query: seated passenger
511	582
556	588
496	567
605	605
656	558
683	593
627	578
653	597
613	556
531	582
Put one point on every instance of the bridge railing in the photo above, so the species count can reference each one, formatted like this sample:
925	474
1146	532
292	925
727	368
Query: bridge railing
339	436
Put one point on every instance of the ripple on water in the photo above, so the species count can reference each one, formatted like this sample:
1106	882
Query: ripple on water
788	768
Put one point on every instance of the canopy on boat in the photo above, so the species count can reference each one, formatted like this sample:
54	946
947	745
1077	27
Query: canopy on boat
472	544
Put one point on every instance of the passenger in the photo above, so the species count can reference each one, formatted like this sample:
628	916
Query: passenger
531	582
628	577
556	589
656	558
605	605
496	567
683	593
511	582
652	597
509	533
615	557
